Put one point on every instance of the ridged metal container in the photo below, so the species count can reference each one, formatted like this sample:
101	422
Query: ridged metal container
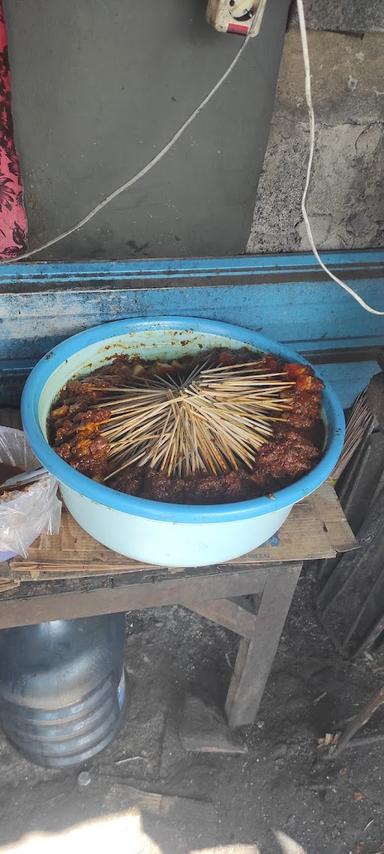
62	688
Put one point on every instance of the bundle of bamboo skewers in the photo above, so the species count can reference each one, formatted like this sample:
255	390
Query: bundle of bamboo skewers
214	419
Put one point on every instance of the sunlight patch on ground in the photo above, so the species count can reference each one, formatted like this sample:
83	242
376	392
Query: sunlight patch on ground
229	849
122	834
288	845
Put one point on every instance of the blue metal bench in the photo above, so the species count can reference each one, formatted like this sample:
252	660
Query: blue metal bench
285	296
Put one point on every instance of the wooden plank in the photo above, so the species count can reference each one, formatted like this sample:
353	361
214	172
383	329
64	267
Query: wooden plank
255	657
330	511
71	573
6	582
226	613
72	550
19	611
304	536
357	723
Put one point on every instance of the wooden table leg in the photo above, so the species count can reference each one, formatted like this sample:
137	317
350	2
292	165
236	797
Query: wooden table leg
225	612
255	657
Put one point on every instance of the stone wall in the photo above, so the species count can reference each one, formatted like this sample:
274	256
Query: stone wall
346	198
345	16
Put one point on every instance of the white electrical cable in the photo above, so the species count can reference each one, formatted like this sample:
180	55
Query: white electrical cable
311	114
144	171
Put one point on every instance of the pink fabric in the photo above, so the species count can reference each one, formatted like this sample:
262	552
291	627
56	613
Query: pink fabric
13	220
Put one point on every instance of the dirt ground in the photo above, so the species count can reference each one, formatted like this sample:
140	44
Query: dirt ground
230	804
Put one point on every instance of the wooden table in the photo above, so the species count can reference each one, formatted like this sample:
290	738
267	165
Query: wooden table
70	575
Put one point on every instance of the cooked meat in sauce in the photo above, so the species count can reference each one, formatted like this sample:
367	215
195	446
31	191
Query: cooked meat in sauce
294	449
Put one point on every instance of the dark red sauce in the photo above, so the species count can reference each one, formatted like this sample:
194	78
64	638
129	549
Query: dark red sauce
294	449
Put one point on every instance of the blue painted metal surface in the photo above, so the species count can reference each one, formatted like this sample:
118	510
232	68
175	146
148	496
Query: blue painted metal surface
283	296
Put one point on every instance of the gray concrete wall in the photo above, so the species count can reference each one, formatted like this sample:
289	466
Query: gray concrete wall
343	16
346	198
99	86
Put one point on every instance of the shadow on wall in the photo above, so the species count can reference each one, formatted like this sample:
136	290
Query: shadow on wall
99	88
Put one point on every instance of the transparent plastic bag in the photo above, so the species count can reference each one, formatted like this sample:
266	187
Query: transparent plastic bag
27	513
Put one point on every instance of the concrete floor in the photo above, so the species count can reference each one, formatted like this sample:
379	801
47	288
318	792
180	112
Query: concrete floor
147	794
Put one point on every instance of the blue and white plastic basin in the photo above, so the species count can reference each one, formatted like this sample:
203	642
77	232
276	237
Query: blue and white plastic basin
153	531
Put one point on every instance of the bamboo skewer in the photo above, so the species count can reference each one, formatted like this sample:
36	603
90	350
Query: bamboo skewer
214	419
